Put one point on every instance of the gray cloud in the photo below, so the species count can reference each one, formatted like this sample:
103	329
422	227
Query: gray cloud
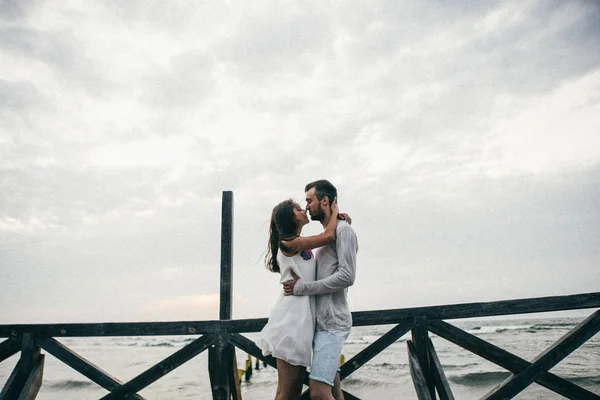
62	52
11	10
182	18
188	81
21	97
280	43
117	142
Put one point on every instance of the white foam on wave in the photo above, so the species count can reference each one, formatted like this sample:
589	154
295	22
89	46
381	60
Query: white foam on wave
498	328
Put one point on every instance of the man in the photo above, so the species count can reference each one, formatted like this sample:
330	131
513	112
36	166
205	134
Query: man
336	269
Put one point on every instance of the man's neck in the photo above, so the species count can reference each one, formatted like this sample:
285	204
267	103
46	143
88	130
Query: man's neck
326	220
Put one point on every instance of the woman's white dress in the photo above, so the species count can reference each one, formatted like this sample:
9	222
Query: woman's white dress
289	332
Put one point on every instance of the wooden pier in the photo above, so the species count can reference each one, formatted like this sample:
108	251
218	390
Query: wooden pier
221	337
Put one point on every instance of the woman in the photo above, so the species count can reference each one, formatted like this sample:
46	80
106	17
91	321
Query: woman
289	333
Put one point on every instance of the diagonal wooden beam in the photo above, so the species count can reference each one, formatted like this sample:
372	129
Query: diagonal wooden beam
548	359
159	370
375	348
10	391
26	378
441	383
347	396
247	345
420	340
34	380
80	364
9	348
507	360
417	373
233	377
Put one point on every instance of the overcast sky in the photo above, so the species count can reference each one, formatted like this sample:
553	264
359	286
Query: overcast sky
463	137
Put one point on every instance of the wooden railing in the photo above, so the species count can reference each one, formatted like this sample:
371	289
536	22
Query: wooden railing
221	337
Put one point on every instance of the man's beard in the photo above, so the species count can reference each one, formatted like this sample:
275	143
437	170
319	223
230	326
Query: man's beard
319	215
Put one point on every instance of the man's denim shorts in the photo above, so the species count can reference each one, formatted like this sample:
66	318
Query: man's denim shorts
327	348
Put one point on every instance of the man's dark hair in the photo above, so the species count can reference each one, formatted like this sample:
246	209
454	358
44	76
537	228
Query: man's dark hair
322	188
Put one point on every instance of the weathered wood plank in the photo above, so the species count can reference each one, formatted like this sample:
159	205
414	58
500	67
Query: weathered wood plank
441	383
113	329
12	388
34	380
226	255
247	345
218	380
347	396
26	370
30	352
548	359
417	373
420	340
217	367
507	360
81	365
234	381
375	348
9	348
471	310
305	395
360	318
159	370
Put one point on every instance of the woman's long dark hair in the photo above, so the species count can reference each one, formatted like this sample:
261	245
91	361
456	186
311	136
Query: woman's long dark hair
283	226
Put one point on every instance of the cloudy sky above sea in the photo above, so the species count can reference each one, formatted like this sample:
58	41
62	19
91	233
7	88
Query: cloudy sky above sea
463	137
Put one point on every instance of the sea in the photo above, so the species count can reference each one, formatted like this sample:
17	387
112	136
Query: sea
386	376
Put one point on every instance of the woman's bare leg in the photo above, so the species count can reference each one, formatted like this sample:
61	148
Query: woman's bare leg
289	380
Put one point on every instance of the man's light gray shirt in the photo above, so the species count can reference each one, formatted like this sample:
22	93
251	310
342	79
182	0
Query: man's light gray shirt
336	270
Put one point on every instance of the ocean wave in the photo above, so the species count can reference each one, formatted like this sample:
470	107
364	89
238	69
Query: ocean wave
362	381
368	339
161	344
498	329
451	367
69	385
528	327
390	365
156	343
479	378
551	326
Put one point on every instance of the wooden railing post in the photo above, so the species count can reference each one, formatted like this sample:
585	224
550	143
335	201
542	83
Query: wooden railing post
217	367
221	357
420	339
25	381
226	255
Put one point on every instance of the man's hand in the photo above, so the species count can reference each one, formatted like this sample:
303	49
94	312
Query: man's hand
288	286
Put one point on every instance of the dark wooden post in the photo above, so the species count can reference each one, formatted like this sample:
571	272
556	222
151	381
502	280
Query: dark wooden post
221	357
226	255
420	338
26	379
217	367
